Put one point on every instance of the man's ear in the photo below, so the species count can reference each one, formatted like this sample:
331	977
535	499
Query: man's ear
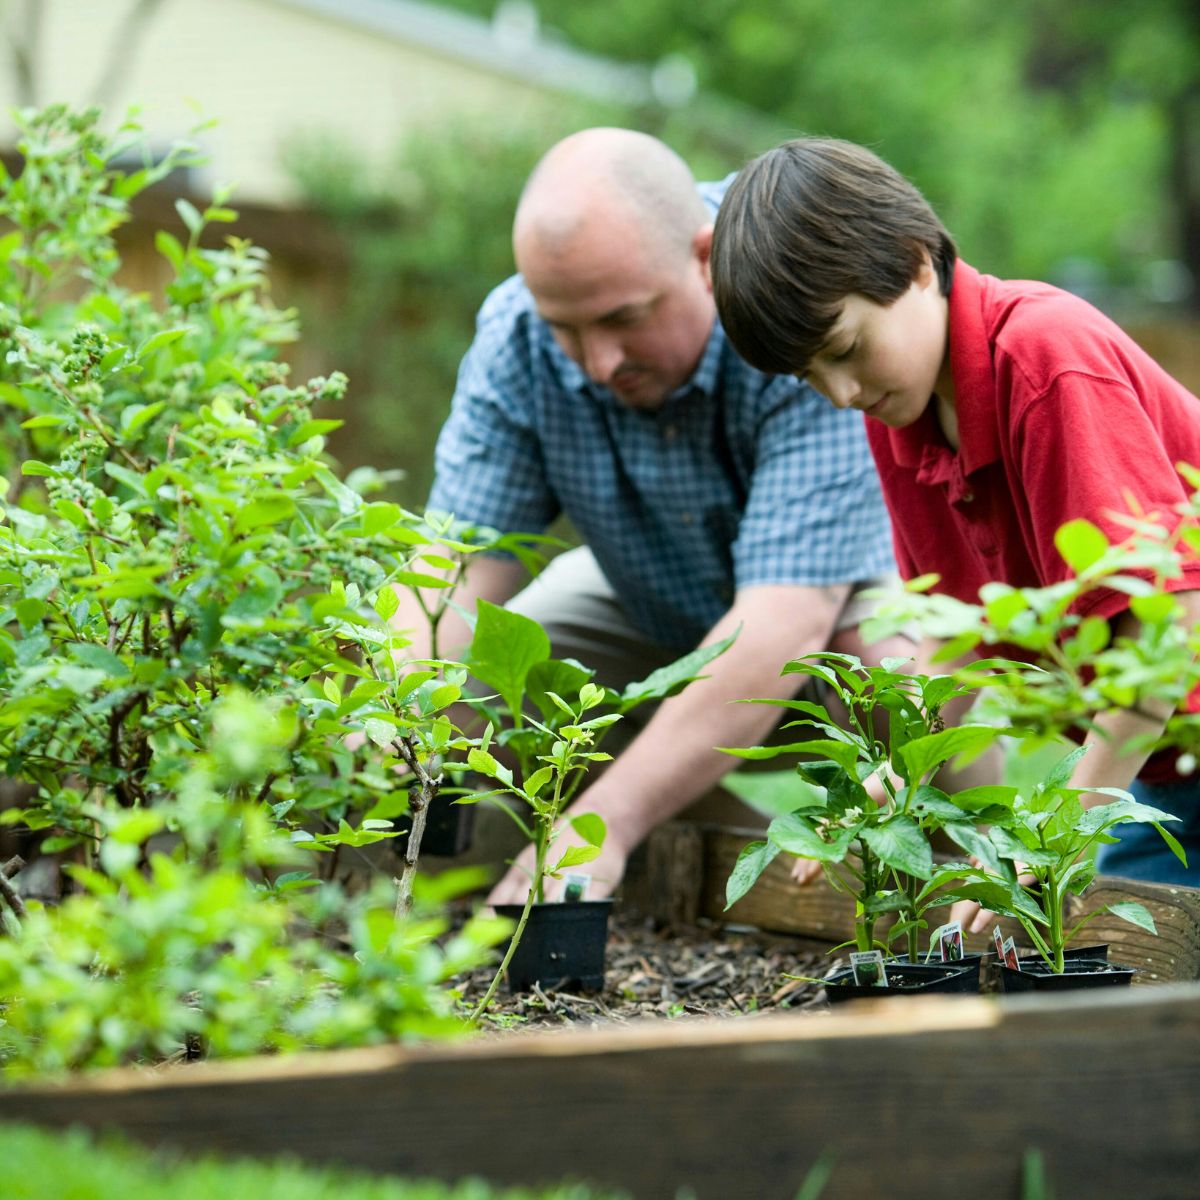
702	249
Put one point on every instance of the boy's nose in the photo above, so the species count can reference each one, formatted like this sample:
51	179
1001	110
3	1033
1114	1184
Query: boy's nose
841	390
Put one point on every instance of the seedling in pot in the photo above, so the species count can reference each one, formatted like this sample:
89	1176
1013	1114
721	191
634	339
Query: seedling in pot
867	807
543	760
1038	854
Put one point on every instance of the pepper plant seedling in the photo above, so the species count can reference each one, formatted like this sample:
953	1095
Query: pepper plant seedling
1039	853
867	801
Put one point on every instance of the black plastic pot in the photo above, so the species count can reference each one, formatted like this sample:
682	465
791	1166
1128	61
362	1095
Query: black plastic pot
908	979
1078	973
448	828
562	945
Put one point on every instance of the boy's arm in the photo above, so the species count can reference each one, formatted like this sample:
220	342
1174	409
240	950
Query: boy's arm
1107	763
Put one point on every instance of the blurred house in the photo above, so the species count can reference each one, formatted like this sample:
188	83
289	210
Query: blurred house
362	71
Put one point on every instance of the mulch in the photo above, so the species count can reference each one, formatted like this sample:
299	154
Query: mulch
698	973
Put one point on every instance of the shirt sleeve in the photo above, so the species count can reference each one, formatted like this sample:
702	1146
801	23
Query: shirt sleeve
814	514
489	468
1087	448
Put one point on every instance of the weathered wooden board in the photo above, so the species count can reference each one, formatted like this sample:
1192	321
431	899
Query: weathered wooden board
682	893
915	1098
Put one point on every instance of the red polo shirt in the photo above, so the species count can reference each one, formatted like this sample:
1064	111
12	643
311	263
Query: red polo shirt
1060	415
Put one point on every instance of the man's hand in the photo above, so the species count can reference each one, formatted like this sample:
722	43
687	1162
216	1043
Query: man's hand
606	870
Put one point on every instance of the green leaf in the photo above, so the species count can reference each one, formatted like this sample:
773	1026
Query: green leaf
270	510
538	780
382	733
47	421
1153	609
924	754
29	611
797	835
1105	816
31	466
590	827
190	217
504	648
900	843
751	863
928	801
315	428
1012	848
774	792
333	693
100	658
136	416
9	244
1060	773
1135	913
668	680
377	518
1081	544
168	246
575	856
386	603
157	341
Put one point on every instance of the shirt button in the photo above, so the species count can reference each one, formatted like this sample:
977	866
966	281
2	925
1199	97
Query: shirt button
669	431
967	497
686	518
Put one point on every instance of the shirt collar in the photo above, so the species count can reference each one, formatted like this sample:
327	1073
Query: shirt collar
922	442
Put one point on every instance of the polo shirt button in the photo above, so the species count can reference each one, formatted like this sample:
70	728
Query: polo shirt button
686	518
967	497
669	431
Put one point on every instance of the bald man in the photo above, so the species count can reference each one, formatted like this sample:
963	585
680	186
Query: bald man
709	497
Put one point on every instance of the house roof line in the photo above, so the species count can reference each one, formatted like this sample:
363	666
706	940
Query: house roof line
471	39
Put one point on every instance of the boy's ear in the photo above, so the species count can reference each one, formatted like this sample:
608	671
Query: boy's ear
702	249
926	273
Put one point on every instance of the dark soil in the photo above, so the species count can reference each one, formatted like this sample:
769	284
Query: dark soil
697	973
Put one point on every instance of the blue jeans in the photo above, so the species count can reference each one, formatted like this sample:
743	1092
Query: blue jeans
1141	853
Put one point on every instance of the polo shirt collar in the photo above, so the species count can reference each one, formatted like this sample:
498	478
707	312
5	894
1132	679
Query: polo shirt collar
922	445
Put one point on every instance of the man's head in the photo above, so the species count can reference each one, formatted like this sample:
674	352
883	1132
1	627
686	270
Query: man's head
828	263
612	240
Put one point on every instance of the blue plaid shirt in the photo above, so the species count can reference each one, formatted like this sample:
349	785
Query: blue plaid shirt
740	478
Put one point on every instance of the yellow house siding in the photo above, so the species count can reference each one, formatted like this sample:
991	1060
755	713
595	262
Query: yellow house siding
265	70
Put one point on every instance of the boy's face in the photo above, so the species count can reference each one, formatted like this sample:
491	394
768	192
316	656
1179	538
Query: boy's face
887	360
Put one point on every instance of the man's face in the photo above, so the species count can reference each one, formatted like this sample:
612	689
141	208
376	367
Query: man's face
636	323
887	360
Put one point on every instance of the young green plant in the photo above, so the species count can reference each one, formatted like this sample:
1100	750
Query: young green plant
866	801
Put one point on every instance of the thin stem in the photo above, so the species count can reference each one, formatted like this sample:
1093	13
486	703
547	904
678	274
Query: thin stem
427	790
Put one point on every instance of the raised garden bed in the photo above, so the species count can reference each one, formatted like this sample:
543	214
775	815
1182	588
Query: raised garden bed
899	1094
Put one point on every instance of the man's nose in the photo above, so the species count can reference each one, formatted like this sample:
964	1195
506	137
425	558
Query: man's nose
601	356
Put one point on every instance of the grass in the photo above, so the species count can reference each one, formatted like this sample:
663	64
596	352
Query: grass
37	1165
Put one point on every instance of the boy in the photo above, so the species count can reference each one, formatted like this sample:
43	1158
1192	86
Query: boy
998	410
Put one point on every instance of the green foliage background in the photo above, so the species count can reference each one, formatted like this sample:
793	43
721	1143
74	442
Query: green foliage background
1055	139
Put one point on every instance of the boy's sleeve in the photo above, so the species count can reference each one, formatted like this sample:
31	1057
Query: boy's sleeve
489	465
814	514
1087	447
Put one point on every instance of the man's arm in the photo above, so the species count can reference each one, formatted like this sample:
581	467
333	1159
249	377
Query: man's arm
672	762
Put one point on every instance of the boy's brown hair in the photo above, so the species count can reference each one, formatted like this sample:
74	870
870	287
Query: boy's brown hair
806	225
